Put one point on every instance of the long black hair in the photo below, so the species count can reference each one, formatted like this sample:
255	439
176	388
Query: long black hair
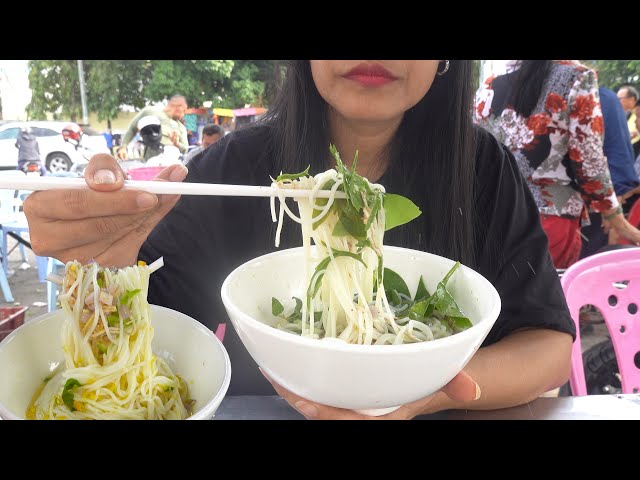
432	155
530	78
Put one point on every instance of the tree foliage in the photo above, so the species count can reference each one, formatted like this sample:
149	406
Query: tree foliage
55	89
111	84
613	73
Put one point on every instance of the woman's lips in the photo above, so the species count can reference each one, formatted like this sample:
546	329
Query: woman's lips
370	75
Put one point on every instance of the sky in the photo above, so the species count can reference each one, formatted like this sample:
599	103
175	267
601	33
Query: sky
14	89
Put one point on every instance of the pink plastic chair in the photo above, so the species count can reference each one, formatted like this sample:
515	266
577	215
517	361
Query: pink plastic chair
592	281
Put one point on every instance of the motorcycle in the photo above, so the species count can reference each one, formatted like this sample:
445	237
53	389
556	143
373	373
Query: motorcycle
32	169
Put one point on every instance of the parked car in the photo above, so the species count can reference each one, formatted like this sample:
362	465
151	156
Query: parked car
58	154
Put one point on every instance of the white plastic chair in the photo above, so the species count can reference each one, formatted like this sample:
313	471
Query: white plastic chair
52	297
8	215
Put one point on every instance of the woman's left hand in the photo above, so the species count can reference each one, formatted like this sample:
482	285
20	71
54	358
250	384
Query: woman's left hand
461	388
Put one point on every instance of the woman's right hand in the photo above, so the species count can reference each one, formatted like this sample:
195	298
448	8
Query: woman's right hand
622	228
103	222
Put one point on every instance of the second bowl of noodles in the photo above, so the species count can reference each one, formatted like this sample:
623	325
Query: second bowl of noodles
33	353
371	378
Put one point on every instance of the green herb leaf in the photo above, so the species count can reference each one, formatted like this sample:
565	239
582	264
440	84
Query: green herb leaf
422	291
398	210
297	311
67	394
316	278
460	323
446	305
125	299
393	281
113	319
293	176
418	310
350	225
448	275
276	307
394	297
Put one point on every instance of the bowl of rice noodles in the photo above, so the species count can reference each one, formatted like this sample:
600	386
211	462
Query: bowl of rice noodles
346	321
111	355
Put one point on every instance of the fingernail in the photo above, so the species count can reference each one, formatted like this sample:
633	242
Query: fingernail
178	174
478	392
104	177
307	409
146	200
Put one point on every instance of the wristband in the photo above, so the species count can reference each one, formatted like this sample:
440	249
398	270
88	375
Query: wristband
611	215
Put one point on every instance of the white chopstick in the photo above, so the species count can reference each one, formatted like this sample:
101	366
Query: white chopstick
180	188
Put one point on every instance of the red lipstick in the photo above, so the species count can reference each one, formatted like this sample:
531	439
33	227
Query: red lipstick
370	75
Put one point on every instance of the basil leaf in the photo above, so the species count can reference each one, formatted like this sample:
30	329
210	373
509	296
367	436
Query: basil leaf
297	312
418	309
67	394
422	291
276	307
353	227
393	281
128	295
460	323
398	210
293	176
394	298
448	275
322	266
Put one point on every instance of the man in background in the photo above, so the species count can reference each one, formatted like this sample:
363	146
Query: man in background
173	130
628	96
211	133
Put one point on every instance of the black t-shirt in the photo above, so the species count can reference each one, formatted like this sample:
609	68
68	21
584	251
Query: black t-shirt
204	238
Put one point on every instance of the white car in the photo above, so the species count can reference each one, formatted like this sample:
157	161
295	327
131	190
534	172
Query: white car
57	154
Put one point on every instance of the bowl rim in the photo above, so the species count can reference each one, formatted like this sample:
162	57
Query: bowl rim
203	412
349	347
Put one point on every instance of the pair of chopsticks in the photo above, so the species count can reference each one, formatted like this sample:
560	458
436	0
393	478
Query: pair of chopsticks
172	188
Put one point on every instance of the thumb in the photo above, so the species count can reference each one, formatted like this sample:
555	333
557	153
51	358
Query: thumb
104	173
462	388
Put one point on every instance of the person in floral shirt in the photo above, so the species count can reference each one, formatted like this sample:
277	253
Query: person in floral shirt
547	112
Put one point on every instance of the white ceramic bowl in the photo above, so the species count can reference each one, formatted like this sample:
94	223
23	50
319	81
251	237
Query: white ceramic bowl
375	379
34	350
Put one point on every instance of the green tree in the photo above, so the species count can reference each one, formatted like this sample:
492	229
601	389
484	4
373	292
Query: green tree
113	83
197	80
55	89
253	82
613	73
110	84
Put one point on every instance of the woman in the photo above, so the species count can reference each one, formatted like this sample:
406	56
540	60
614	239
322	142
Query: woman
548	114
411	124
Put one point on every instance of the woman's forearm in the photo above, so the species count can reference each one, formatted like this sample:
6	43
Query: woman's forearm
515	370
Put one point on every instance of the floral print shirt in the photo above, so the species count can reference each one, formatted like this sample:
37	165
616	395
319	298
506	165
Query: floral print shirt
559	146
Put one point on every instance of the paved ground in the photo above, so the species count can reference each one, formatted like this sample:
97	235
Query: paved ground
25	287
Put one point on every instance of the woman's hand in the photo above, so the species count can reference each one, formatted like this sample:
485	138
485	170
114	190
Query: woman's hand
462	389
103	222
622	228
